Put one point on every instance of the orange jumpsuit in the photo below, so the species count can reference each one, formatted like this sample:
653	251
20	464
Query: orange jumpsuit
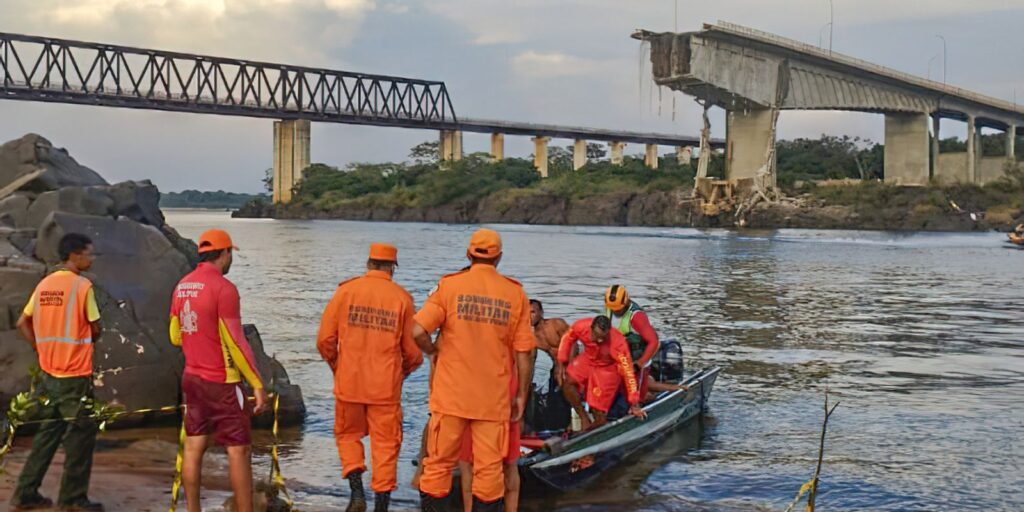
484	319
366	337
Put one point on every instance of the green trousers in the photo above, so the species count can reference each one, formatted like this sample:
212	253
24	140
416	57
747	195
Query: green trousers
78	437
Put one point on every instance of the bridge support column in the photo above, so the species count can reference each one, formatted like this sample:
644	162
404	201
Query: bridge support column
450	145
684	154
579	154
497	147
906	149
935	145
616	152
747	134
1011	143
651	156
972	150
291	156
540	155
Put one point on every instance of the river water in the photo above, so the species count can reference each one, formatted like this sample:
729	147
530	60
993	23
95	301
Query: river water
918	336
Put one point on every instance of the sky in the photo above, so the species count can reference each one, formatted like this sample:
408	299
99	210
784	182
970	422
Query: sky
569	62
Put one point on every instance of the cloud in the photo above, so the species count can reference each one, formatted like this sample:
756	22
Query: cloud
293	31
534	65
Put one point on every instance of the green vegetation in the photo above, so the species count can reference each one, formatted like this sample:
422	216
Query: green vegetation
425	182
804	166
196	199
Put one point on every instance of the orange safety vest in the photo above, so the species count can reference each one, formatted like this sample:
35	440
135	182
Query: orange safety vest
63	333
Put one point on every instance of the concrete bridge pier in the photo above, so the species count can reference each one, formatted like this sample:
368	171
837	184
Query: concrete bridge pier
540	155
972	150
1011	143
684	154
651	156
616	152
579	154
450	145
748	135
497	147
907	149
291	156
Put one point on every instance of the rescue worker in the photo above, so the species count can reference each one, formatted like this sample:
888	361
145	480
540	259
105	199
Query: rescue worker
61	323
631	321
206	323
484	318
599	371
366	338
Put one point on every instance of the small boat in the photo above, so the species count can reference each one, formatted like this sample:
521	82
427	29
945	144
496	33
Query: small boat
561	463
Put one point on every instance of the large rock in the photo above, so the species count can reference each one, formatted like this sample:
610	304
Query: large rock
139	260
32	152
14	210
16	357
81	200
134	262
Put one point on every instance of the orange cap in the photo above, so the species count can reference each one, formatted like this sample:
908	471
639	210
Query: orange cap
215	240
485	243
616	298
384	252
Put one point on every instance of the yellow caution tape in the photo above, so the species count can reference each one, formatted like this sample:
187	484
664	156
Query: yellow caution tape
105	415
803	490
275	466
178	463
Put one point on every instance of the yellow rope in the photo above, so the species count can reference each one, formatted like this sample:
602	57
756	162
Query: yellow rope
803	490
275	466
178	462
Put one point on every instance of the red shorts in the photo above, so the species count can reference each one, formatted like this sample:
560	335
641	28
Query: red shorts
218	409
598	383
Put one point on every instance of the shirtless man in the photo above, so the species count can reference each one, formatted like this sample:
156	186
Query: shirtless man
548	332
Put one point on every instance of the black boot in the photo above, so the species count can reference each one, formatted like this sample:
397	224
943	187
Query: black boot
357	501
381	501
429	503
494	506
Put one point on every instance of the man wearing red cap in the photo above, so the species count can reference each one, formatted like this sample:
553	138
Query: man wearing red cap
366	338
206	323
484	319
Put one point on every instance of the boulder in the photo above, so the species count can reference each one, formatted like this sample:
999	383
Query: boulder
14	210
139	201
81	200
32	152
293	409
16	285
16	357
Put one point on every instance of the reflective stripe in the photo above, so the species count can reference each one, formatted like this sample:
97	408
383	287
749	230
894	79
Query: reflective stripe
69	307
64	339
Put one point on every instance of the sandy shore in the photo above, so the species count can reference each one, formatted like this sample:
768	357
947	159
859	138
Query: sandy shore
133	470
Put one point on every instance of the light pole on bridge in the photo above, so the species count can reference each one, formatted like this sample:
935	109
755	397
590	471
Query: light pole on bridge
943	58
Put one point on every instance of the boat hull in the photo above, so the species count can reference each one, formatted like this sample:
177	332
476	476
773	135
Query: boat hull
580	460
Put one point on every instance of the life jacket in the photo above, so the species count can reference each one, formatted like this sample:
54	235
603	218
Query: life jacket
63	333
637	345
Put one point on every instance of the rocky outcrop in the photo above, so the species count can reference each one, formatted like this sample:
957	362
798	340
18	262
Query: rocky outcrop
139	260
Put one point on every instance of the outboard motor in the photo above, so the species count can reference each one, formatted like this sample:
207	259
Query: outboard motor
668	365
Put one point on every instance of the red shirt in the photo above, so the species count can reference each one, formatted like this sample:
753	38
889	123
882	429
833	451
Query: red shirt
206	322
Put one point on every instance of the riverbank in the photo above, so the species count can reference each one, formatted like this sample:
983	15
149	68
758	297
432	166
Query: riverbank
859	206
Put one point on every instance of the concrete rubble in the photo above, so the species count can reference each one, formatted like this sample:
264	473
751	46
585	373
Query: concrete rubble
140	260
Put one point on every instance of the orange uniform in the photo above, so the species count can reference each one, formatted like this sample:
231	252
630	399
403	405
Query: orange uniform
484	319
62	306
366	337
601	367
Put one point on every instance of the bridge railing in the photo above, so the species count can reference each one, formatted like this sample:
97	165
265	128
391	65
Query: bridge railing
57	70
